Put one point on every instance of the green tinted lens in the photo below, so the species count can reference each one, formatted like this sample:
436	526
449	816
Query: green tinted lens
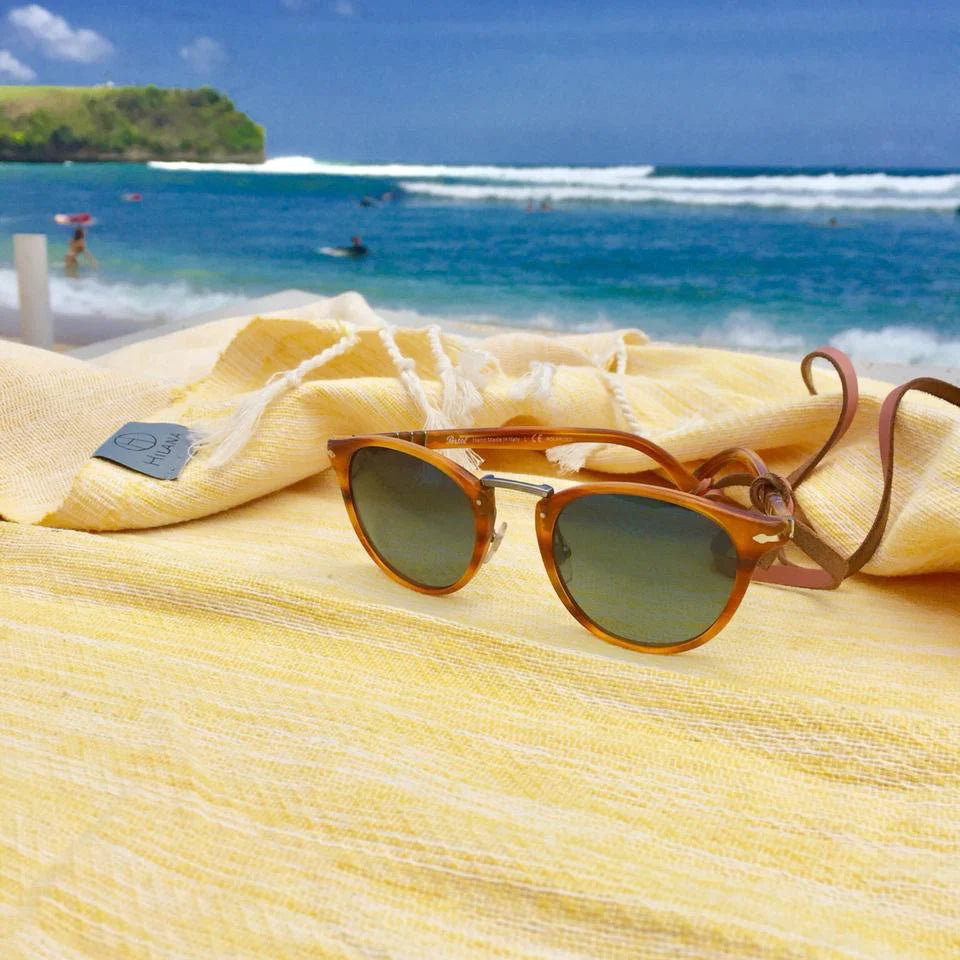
646	571
414	516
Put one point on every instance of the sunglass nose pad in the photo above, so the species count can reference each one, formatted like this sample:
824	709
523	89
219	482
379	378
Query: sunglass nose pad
494	545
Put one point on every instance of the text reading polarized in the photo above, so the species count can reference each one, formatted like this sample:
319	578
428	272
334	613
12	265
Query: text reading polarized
414	516
646	571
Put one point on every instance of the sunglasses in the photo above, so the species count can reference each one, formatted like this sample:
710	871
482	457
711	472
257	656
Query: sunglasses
647	567
652	568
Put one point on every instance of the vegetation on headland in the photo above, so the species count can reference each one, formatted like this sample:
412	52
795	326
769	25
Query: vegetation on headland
53	124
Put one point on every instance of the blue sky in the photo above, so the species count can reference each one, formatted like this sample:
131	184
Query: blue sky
686	82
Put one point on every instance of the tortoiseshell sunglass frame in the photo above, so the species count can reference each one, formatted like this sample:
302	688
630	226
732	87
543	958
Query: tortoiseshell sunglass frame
755	535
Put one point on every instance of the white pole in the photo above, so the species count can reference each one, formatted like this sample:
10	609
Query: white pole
33	285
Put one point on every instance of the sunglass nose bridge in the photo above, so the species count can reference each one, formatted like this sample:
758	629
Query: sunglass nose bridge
537	489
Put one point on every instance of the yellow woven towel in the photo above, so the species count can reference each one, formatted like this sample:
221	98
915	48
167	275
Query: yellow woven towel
55	411
236	738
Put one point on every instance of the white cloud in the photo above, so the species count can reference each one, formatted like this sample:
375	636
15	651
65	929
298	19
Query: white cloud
204	54
56	38
11	66
343	8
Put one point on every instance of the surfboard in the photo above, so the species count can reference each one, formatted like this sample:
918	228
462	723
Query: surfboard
348	252
74	219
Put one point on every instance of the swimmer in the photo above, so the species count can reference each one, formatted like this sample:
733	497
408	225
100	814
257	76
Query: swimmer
78	245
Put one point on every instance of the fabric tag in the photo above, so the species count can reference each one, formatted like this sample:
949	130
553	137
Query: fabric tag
158	450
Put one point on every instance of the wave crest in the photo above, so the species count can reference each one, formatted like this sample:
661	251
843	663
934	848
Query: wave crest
654	192
898	344
627	184
429	171
134	304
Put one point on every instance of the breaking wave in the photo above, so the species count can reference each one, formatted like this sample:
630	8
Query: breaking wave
136	304
636	184
743	330
431	171
690	191
897	344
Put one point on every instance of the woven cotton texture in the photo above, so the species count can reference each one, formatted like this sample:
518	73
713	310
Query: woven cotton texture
234	737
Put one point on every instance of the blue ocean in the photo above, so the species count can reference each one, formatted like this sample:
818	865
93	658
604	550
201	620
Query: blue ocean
762	259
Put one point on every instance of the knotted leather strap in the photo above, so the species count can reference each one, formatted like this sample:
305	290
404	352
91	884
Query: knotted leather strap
774	495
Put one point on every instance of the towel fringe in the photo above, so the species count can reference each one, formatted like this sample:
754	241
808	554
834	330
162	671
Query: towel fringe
478	366
615	384
571	457
434	419
226	438
536	383
461	398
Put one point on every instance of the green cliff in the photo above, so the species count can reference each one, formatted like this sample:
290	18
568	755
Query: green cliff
53	124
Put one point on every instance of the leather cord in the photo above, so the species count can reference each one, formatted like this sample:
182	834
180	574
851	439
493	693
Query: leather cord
774	495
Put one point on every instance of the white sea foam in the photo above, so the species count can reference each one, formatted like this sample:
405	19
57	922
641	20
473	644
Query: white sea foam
140	304
740	330
107	305
653	192
898	344
743	330
820	183
628	184
432	171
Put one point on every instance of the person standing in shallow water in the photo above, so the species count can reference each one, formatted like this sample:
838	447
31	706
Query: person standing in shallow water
78	245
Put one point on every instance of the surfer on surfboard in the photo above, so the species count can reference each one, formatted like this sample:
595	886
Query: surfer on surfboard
355	250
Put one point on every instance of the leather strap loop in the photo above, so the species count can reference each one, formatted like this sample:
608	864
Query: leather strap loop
773	495
885	429
848	404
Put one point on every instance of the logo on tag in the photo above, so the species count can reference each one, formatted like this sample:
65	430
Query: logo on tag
158	450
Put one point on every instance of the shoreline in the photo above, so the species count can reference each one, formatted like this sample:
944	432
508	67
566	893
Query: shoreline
292	299
87	336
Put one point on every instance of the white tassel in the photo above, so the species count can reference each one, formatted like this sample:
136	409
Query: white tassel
434	419
478	366
460	396
570	457
614	382
227	437
536	383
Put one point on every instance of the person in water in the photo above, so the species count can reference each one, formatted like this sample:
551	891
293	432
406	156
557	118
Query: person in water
78	245
357	248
